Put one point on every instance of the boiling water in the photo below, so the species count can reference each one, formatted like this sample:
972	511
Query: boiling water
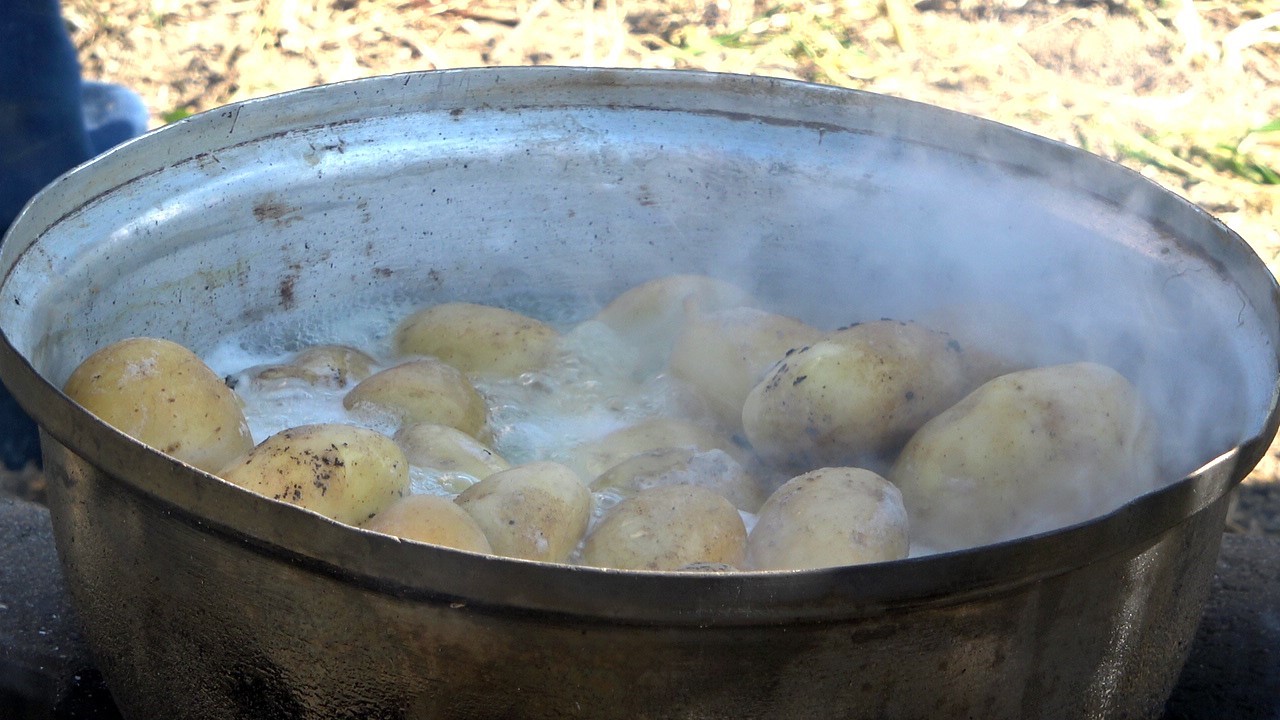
596	385
593	388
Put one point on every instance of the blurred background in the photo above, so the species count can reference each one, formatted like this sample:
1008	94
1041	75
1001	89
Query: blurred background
1186	92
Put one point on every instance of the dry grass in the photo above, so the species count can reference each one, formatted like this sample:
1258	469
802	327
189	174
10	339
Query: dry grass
1185	91
1188	91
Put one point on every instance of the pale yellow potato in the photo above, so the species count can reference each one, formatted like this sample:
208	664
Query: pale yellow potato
320	365
594	457
447	449
714	470
164	396
426	390
343	472
431	519
336	365
268	378
827	518
724	354
649	316
854	397
1027	452
668	528
536	511
478	339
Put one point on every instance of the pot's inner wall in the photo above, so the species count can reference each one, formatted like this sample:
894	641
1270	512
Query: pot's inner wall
514	206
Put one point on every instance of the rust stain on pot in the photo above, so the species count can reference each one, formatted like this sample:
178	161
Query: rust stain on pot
273	209
287	284
646	198
286	291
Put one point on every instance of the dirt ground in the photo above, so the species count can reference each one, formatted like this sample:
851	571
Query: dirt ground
1185	91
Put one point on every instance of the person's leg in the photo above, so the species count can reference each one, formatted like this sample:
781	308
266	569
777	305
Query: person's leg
42	135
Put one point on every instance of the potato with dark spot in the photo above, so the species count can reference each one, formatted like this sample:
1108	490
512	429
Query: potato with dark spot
319	365
536	511
343	472
1027	452
714	470
162	395
272	378
724	354
668	528
478	339
446	449
336	365
827	518
431	519
424	390
649	316
854	397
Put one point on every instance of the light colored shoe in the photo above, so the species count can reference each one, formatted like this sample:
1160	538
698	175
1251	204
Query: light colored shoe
112	114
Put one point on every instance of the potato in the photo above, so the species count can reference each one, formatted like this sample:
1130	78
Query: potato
447	449
594	457
826	518
335	365
272	378
343	472
431	519
854	397
424	390
478	339
162	395
724	354
536	511
1027	452
713	469
320	365
649	316
668	528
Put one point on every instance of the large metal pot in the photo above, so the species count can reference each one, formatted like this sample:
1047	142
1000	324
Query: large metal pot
203	601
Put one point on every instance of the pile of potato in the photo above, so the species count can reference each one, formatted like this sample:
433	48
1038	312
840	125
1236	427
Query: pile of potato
805	448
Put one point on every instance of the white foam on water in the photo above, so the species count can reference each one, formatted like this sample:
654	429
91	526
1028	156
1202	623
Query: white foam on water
587	392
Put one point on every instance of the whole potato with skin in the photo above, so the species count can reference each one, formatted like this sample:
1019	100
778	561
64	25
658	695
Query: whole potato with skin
854	397
335	365
478	339
1027	452
649	316
321	365
594	457
447	449
164	396
668	528
343	472
536	511
712	469
424	390
431	519
827	518
724	354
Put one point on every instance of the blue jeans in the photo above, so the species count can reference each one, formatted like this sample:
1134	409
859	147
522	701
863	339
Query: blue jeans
49	122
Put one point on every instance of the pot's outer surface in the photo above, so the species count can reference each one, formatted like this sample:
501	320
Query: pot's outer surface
516	185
